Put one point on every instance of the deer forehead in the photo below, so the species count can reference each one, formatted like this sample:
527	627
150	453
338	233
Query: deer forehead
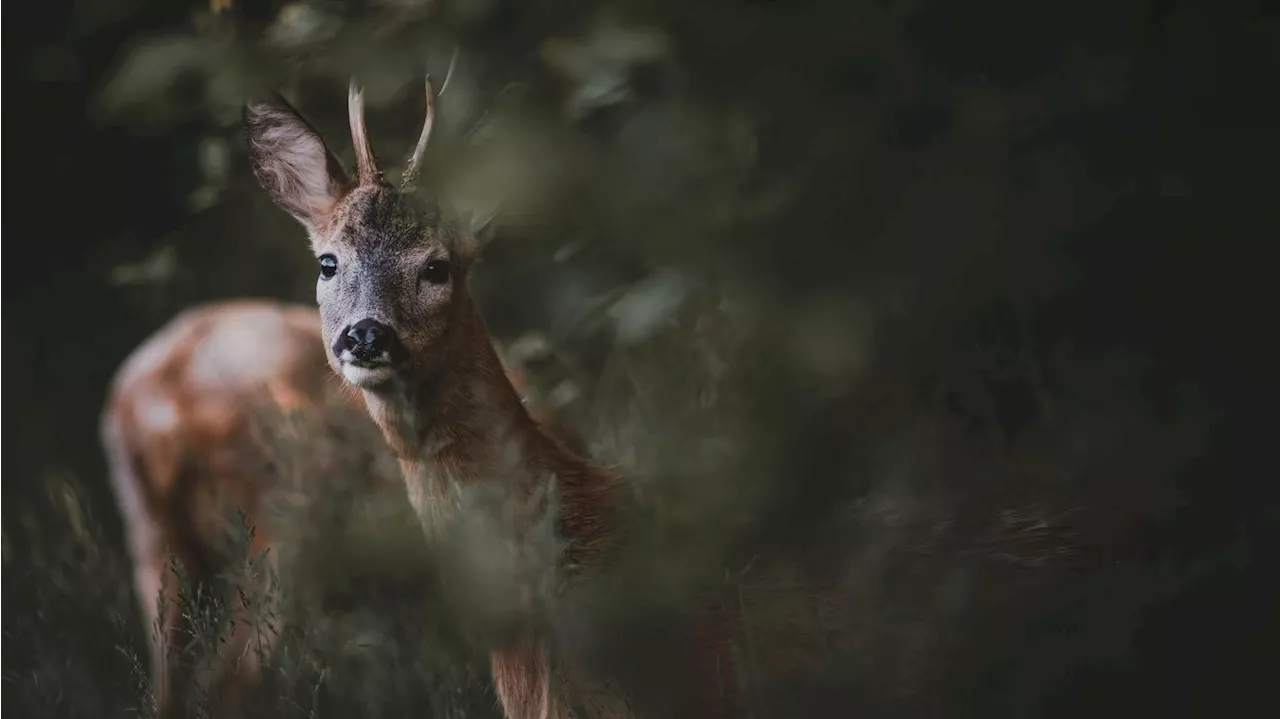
384	221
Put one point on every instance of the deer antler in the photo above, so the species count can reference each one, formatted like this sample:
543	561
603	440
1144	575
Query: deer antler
366	164
414	165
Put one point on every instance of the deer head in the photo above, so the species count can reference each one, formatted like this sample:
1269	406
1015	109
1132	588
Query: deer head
392	269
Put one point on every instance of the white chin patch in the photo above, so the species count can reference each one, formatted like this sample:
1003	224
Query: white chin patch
366	377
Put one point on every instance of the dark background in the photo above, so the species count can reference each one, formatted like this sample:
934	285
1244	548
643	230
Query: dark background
970	268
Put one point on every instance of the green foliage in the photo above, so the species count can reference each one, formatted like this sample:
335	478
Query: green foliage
816	279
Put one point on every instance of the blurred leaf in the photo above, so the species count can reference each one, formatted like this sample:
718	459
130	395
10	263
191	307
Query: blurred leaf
598	66
300	24
160	77
157	268
648	305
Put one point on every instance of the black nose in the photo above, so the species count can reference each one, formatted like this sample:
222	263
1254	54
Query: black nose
368	339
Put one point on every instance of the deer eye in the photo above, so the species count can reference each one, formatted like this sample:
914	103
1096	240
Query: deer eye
328	266
436	272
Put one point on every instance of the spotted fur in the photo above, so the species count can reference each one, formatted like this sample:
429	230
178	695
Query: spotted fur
185	432
190	424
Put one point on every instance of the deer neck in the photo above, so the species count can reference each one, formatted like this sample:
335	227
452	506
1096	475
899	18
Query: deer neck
457	423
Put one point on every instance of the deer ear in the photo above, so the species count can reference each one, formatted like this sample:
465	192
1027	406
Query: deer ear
293	165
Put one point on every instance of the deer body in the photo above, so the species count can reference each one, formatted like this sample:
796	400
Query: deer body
184	432
401	326
187	430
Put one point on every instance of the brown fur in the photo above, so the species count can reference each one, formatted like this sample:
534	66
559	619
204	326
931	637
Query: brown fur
185	430
448	411
181	432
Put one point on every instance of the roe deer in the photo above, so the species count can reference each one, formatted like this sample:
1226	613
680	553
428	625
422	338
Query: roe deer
401	325
183	431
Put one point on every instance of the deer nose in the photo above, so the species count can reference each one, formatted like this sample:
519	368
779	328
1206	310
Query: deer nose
368	339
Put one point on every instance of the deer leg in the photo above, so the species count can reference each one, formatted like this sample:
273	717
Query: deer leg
523	682
147	576
238	666
711	684
170	638
252	636
529	689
